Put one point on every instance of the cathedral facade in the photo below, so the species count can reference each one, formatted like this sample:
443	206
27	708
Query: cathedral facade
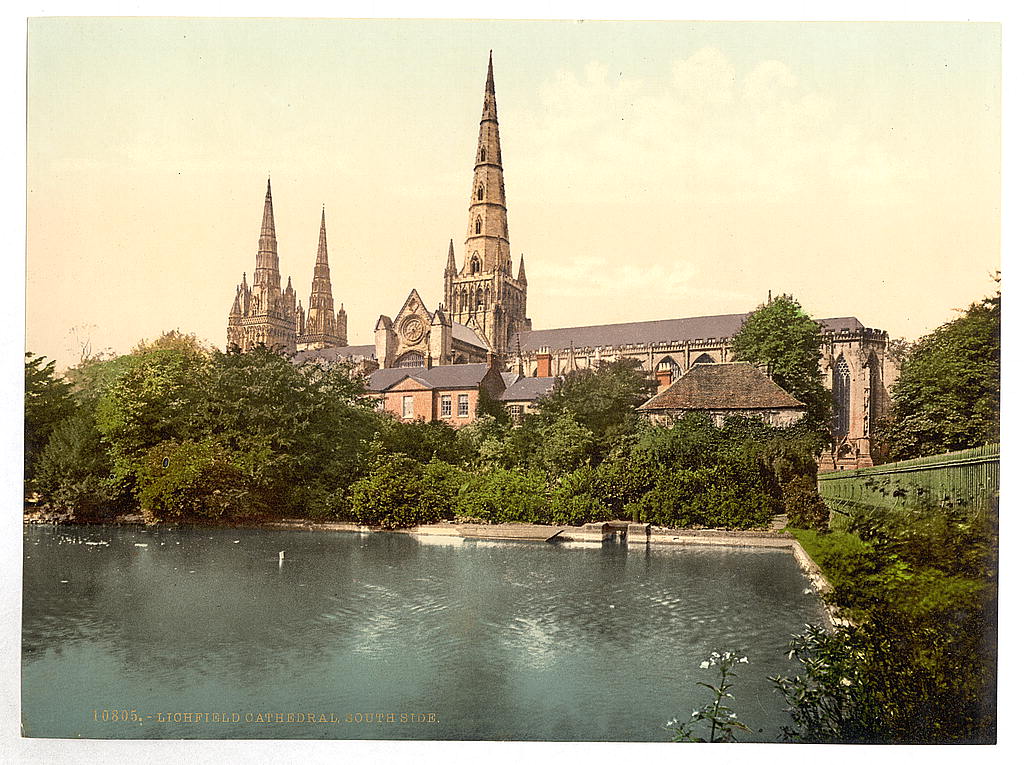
482	319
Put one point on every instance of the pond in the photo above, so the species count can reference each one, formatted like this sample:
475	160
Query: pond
208	633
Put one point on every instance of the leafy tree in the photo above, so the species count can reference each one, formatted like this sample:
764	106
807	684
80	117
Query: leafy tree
48	401
781	336
603	400
947	397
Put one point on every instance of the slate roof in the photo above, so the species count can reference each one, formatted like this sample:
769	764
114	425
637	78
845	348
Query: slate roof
464	334
336	353
712	387
723	326
446	377
528	389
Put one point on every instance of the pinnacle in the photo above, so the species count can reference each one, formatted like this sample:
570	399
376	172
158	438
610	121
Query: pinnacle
489	88
321	250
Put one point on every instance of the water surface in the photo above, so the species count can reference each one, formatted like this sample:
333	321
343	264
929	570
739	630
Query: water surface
497	640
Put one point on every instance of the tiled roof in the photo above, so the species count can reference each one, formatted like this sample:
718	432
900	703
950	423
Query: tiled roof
446	377
719	327
528	389
337	353
708	387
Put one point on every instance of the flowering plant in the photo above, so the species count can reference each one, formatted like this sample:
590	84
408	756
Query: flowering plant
716	714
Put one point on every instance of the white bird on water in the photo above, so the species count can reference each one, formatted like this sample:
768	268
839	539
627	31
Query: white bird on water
280	558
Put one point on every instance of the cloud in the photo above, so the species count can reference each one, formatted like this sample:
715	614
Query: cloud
704	131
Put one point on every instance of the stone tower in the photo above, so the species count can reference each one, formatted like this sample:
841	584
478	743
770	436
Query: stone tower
320	328
264	314
484	295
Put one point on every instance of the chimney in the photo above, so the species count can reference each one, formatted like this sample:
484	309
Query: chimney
544	362
664	378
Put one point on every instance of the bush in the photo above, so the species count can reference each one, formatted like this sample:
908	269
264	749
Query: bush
506	496
389	497
573	502
805	508
194	480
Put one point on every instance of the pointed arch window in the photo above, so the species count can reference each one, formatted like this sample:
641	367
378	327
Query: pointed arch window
483	153
841	399
479	224
474	264
480	191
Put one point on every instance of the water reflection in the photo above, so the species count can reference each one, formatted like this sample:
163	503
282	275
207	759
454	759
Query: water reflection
502	640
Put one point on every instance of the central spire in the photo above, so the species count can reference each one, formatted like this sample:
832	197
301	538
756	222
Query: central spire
487	247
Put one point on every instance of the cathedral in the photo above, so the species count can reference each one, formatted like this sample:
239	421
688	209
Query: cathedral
482	319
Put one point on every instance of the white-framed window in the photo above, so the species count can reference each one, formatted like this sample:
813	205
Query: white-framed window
463	405
446	406
407	408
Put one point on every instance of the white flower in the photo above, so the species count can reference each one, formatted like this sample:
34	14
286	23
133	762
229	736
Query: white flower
672	723
704	665
845	681
744	660
695	713
732	714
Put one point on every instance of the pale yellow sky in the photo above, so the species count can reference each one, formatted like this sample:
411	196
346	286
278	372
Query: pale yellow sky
652	169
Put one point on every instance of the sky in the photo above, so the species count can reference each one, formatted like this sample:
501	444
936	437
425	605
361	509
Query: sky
652	169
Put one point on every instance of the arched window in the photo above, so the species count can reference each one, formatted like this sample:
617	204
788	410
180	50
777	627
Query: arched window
480	191
841	399
479	298
479	224
409	360
474	264
483	154
703	359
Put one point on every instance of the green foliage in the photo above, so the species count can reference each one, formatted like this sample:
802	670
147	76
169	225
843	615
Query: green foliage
506	496
195	480
716	715
573	502
783	337
73	476
564	445
389	497
947	396
423	441
48	401
805	508
917	663
440	486
602	400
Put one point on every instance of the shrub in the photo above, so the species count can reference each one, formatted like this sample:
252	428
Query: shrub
389	497
195	480
506	496
805	508
573	501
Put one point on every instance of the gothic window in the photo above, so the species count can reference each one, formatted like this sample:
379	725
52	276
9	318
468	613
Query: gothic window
479	298
479	224
474	264
409	360
874	392
483	153
480	191
703	359
841	399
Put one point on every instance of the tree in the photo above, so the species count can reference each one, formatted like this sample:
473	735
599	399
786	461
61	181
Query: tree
782	337
947	397
48	402
602	400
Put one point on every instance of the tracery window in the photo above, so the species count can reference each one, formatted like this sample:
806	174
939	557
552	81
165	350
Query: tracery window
841	399
479	225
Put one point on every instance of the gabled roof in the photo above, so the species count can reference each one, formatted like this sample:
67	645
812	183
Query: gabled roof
446	377
337	353
721	327
712	387
528	389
